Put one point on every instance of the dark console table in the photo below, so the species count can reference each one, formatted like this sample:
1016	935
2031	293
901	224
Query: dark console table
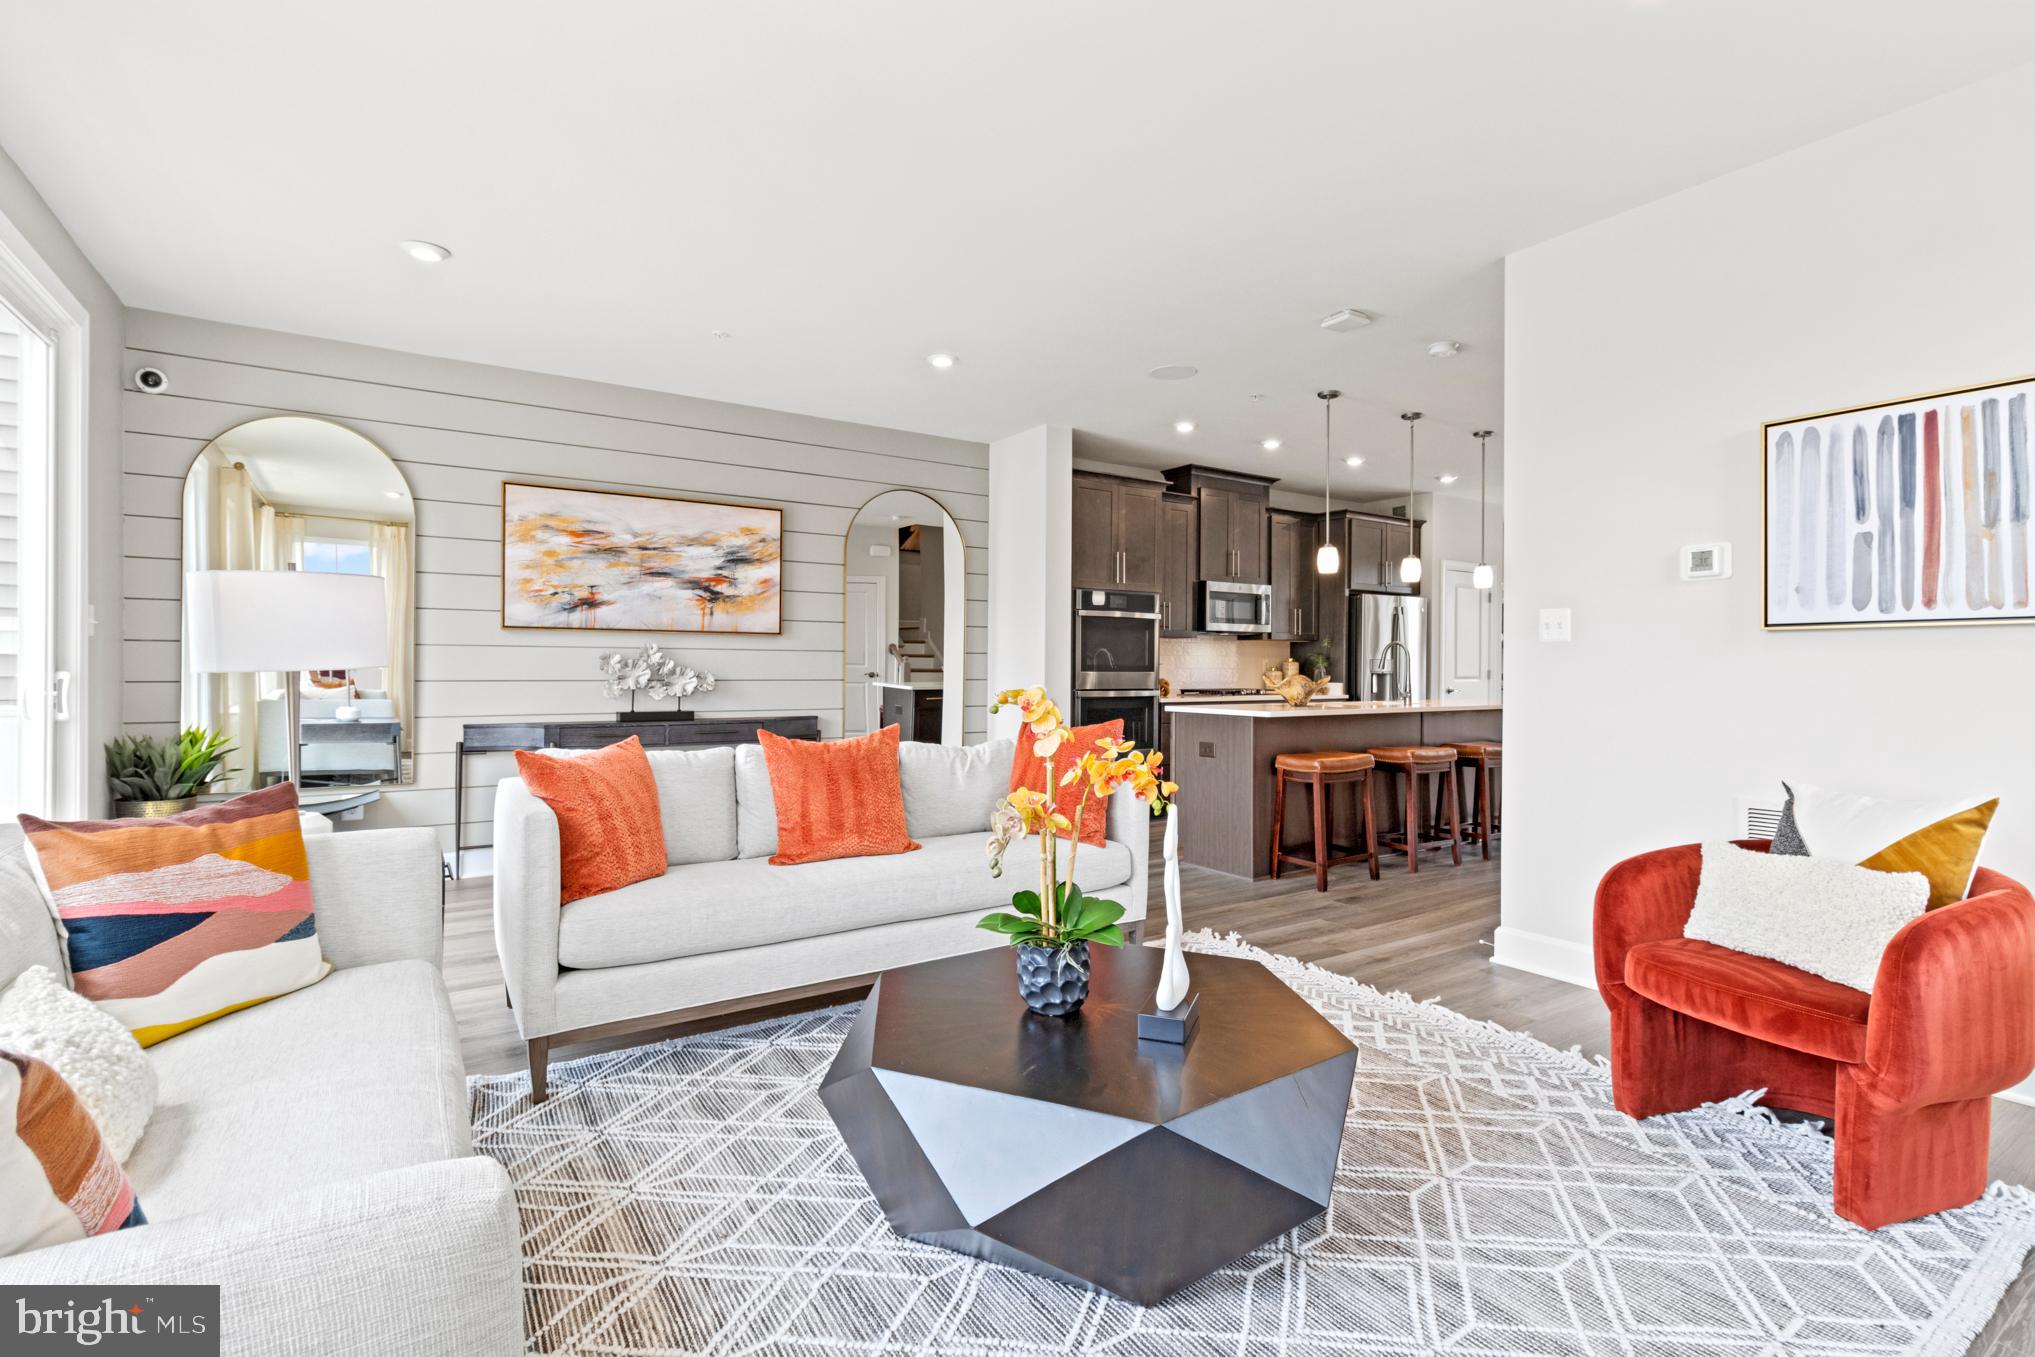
503	736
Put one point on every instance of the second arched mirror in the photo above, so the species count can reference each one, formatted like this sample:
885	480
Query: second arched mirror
904	610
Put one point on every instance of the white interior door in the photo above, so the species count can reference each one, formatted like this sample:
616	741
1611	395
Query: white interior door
32	695
865	632
1465	636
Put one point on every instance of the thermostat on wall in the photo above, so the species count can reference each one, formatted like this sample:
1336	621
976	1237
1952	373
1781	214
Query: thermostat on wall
1711	561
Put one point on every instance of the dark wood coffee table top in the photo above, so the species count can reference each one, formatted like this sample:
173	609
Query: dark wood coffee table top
960	1020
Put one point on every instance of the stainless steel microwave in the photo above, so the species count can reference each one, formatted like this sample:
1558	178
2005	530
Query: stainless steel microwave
1233	606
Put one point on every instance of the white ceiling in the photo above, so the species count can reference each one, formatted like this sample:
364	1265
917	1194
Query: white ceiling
1064	194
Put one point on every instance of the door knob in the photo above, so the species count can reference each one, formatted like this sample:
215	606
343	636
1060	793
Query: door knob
870	674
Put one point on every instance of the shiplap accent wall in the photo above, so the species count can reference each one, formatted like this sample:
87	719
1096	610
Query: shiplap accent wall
457	430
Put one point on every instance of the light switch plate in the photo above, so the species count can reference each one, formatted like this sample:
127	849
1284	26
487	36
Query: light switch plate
1554	624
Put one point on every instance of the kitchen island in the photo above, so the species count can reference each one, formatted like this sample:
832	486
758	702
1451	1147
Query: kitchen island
1221	755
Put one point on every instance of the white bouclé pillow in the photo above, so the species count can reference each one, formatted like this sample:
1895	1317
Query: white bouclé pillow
1820	915
96	1055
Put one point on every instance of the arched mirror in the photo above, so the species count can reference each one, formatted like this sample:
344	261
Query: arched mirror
290	492
903	615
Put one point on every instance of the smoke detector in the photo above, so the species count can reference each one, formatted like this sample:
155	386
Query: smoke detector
1345	320
1444	348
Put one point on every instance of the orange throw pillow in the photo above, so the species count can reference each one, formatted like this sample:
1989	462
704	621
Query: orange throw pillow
1029	770
836	798
609	831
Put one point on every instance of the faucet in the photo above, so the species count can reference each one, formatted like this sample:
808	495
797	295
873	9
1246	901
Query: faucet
1404	685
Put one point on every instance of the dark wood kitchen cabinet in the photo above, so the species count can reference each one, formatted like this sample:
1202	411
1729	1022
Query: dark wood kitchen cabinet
1116	532
1235	518
1374	546
1293	539
1179	550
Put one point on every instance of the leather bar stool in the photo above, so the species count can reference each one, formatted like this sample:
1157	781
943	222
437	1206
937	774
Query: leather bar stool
1320	771
1414	762
1483	759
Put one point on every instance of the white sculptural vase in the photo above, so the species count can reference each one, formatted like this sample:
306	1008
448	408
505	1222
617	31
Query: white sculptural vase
1172	990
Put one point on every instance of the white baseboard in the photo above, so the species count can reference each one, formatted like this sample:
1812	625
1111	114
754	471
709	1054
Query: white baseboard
1556	958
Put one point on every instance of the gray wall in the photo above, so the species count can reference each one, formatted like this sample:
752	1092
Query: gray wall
457	430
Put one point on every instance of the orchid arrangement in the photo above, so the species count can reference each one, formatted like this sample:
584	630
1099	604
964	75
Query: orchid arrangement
654	674
1057	914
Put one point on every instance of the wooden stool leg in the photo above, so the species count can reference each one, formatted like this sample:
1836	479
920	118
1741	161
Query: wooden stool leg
1497	794
1412	820
1319	790
1370	828
1484	820
1278	820
1455	825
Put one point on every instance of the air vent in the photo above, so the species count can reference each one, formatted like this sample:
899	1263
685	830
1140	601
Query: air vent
1757	818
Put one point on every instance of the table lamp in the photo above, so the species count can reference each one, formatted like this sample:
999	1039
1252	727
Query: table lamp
249	621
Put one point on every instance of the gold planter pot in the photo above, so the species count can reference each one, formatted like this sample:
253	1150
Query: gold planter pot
152	810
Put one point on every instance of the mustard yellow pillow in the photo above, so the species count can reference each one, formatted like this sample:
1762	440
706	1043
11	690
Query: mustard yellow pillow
1946	852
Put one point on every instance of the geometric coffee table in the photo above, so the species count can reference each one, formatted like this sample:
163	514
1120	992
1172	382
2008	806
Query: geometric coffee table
1070	1148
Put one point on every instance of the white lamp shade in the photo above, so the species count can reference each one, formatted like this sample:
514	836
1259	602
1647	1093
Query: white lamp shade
1327	560
1409	570
1483	577
245	621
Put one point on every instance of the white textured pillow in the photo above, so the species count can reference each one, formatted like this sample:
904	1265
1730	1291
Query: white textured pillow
96	1055
1820	915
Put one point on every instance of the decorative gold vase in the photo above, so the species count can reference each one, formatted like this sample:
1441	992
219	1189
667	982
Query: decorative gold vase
152	810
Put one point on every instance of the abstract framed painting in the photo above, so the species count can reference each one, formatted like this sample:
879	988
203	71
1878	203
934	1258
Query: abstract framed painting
599	560
1907	513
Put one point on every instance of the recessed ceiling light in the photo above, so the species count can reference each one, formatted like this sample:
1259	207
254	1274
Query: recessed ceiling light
1172	372
1183	426
1270	445
1448	479
424	252
1349	318
393	494
1444	348
942	361
1353	461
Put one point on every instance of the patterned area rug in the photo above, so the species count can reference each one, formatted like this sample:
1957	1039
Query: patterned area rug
693	1197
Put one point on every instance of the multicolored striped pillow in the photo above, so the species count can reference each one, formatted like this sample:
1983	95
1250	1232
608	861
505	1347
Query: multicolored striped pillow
177	921
58	1181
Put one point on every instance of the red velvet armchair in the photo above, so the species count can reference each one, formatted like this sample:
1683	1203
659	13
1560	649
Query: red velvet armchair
1907	1072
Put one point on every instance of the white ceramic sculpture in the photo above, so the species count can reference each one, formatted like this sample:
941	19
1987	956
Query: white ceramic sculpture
1173	972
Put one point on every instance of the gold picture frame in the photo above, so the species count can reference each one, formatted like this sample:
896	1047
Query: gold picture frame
1903	513
581	559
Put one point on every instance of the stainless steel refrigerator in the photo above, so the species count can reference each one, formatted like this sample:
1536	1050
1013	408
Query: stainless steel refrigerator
1388	648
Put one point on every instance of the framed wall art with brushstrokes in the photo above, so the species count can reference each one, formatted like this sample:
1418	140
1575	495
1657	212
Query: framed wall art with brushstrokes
1903	514
602	561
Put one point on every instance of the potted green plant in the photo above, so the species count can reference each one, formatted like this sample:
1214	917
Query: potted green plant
151	777
1052	927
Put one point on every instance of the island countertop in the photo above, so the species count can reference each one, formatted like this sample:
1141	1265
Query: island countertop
1260	711
1222	756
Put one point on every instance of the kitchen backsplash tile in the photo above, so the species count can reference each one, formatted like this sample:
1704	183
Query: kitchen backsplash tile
1217	661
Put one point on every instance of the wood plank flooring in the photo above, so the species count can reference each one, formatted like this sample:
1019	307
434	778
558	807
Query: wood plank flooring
1427	934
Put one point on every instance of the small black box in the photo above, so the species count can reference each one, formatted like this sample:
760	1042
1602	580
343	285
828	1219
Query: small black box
1174	1025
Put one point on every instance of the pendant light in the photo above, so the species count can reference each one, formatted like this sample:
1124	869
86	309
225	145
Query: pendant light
1409	565
1327	560
1482	577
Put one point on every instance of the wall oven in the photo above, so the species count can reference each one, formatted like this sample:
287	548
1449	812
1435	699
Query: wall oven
1116	661
1116	640
1233	606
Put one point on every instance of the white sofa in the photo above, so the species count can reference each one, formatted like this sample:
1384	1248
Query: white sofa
311	1156
723	928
